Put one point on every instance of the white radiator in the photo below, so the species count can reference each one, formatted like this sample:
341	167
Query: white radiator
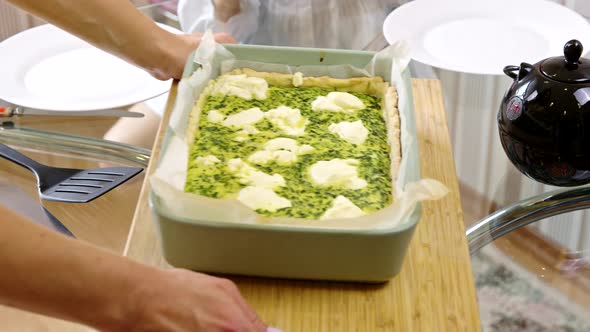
14	20
11	20
472	103
570	230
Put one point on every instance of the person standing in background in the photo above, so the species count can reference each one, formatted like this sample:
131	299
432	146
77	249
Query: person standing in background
343	24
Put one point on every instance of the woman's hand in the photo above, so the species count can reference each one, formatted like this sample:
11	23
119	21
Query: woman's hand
181	300
176	50
226	9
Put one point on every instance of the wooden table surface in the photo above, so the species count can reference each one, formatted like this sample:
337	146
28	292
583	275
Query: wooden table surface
435	290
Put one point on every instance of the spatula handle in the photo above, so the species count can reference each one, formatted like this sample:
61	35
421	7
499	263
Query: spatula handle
19	158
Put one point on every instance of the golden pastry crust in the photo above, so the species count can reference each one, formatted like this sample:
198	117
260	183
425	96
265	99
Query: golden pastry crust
195	115
374	86
393	123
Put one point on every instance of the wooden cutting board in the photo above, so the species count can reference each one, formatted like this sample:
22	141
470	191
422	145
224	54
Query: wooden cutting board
435	290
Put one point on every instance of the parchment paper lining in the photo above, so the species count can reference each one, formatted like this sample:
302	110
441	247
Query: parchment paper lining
169	178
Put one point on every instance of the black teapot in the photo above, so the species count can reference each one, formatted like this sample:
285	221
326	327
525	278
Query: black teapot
544	118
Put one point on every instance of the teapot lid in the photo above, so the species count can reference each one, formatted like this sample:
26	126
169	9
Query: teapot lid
570	68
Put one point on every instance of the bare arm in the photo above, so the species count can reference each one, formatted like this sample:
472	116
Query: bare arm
118	27
51	274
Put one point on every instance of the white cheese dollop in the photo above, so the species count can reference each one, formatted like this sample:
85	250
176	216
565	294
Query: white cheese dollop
241	86
338	102
342	207
281	143
245	133
262	198
322	103
353	132
289	120
261	157
243	118
337	173
249	175
282	150
209	160
214	116
297	79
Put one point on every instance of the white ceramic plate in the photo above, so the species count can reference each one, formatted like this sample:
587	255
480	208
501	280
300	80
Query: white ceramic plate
48	68
483	36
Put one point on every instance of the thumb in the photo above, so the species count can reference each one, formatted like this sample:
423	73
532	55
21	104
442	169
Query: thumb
224	38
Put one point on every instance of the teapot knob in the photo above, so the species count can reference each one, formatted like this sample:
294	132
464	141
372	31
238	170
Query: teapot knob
573	51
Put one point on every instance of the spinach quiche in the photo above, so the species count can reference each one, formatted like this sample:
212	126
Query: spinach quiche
292	146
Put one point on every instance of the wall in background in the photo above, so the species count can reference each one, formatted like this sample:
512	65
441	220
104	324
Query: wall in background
581	6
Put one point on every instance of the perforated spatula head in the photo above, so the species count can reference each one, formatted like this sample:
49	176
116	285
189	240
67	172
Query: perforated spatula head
81	186
71	185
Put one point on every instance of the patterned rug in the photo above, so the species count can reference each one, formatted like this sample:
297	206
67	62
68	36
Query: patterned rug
512	299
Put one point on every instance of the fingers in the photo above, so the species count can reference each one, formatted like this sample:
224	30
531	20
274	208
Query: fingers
259	325
224	38
221	37
193	39
160	75
177	48
252	317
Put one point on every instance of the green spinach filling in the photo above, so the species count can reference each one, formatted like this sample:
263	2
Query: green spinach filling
308	200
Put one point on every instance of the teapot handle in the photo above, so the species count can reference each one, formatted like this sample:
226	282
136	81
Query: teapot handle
510	71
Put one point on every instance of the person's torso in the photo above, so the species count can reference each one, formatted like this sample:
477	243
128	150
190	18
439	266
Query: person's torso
349	24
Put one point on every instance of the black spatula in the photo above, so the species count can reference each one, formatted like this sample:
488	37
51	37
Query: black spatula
71	185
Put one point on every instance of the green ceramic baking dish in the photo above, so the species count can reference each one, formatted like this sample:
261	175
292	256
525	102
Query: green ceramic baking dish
286	251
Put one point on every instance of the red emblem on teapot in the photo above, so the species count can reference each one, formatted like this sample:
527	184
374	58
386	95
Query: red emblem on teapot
514	109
